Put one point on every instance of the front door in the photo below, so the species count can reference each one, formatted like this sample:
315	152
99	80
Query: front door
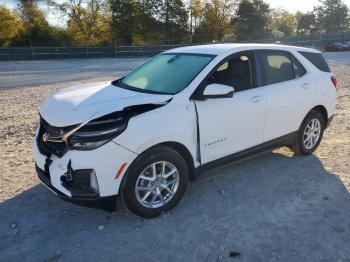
230	125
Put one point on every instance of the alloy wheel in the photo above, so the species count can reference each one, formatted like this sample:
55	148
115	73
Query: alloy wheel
157	184
312	133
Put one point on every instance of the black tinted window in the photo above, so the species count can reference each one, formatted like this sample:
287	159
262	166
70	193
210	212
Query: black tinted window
276	67
299	70
317	60
279	66
236	72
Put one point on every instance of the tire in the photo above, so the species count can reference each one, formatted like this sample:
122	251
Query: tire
135	187
307	148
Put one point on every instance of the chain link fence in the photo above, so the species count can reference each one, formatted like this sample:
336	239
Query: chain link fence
44	53
318	41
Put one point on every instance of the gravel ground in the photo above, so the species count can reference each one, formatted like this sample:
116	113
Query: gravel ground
274	207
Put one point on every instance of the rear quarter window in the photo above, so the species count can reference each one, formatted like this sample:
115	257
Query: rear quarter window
317	60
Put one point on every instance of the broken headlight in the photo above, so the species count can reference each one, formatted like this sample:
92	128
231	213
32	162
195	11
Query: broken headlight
102	130
98	132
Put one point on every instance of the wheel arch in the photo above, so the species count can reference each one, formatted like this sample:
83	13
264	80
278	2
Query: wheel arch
179	148
323	110
185	153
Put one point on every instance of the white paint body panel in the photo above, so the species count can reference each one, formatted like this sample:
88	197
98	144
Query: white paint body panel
226	126
231	125
174	122
83	102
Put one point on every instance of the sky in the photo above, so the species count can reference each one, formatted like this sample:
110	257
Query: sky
290	5
295	5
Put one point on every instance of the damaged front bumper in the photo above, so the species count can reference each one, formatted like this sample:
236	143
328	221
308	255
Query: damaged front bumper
83	176
107	203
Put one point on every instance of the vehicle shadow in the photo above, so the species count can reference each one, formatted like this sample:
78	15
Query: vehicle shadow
269	208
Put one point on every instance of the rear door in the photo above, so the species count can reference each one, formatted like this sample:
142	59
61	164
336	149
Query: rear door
289	89
230	125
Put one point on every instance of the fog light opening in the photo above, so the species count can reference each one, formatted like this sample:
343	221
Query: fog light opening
94	183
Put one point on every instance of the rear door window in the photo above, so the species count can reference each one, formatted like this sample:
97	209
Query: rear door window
279	66
299	70
317	60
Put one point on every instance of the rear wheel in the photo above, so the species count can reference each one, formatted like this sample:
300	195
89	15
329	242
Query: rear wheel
155	182
310	134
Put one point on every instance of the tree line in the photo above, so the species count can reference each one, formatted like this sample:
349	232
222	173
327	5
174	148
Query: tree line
138	22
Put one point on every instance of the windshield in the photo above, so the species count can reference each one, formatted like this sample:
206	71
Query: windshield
165	73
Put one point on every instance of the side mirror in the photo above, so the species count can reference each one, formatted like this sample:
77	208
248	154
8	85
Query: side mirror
218	91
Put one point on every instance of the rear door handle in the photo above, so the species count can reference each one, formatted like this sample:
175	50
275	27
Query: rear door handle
306	86
256	99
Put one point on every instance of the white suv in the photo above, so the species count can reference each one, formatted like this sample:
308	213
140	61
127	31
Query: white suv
145	136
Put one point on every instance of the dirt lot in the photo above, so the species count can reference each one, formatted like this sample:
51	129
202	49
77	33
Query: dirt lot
274	207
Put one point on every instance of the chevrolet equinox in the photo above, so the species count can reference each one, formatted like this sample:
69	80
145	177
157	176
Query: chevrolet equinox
145	136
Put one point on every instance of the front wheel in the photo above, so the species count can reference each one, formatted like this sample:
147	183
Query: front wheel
310	134
155	182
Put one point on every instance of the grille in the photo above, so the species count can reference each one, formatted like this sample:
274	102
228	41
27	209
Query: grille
48	148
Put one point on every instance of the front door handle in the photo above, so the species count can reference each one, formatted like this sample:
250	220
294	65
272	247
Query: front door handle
256	99
306	86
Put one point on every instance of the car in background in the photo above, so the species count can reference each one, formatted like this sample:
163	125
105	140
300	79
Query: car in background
337	47
347	45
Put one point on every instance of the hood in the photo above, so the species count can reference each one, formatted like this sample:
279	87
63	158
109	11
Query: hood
83	102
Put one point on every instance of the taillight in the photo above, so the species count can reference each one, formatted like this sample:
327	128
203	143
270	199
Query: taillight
335	81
